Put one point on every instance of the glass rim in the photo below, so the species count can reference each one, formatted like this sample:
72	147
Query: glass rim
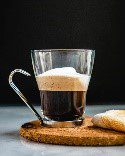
55	50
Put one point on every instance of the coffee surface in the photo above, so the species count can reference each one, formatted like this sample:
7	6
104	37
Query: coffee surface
62	79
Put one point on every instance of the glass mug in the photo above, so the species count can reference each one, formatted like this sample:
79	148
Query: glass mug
62	76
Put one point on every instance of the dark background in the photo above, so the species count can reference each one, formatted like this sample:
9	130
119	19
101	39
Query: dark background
42	24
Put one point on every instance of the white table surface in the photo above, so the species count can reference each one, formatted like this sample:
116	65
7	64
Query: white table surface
12	117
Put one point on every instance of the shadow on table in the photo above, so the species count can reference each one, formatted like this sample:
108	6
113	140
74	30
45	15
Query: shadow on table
10	135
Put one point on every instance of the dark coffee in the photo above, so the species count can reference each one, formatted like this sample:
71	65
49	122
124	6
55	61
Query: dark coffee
63	105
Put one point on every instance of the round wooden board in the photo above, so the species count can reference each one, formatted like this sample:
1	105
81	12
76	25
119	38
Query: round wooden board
85	135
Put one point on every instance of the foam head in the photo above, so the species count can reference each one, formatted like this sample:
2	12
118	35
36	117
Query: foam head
62	79
60	71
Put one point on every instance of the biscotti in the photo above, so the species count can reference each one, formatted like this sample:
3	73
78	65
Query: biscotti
112	119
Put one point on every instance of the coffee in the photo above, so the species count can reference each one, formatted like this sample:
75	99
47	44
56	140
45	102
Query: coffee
63	105
62	92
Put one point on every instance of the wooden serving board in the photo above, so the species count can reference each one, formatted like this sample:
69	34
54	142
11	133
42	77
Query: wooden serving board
85	135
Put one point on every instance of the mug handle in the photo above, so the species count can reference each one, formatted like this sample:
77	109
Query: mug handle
19	92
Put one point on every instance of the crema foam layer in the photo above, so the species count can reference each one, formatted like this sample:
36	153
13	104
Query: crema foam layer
63	79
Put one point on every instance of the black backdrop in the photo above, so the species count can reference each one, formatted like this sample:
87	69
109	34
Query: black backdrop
42	24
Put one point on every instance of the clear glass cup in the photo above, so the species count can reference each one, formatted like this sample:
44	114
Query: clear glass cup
62	76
